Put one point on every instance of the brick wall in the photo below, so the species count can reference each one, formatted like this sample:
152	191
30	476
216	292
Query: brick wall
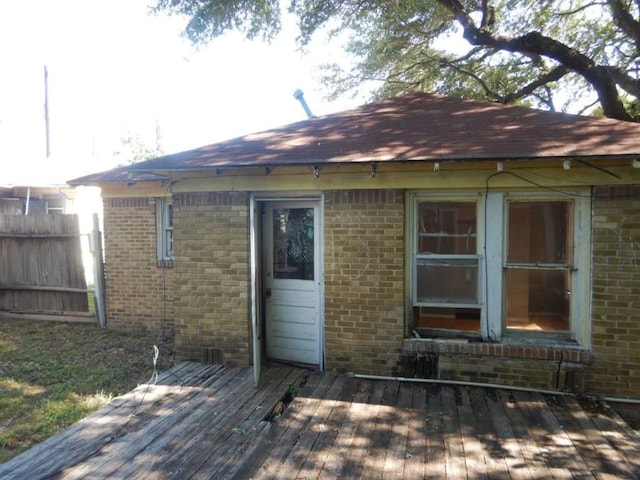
139	293
533	366
211	235
364	280
616	292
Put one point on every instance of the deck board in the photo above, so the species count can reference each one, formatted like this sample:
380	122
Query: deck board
210	422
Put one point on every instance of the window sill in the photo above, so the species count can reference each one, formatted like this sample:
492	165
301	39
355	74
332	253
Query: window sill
165	263
509	348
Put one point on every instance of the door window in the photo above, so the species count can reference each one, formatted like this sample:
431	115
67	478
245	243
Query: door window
293	243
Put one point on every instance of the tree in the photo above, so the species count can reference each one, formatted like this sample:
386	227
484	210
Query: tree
134	149
532	52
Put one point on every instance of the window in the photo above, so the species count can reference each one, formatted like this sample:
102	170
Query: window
164	229
501	265
538	265
54	205
447	266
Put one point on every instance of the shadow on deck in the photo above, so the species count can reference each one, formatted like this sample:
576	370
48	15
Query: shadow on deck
209	421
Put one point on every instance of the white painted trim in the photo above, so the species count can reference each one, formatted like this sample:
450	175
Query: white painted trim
493	238
581	320
254	253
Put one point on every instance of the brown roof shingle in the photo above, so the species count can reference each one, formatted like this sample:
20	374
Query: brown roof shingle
416	127
119	174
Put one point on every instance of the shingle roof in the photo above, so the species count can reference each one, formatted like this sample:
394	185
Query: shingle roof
119	174
416	127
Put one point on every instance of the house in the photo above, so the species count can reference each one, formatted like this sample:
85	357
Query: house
417	235
36	199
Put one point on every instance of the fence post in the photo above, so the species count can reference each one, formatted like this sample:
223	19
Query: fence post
98	271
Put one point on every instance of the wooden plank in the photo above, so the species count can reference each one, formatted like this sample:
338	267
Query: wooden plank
183	446
181	408
398	427
621	436
86	437
599	455
416	446
233	441
501	448
281	433
41	235
300	452
453	444
435	467
381	426
503	405
296	419
356	466
143	421
76	317
346	443
320	454
479	463
43	288
547	436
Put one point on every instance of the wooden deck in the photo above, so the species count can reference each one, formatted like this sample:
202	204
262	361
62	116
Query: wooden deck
208	421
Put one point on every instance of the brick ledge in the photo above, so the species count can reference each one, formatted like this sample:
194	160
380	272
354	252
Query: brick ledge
501	350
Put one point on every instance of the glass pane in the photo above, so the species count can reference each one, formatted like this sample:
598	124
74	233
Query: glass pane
447	227
448	281
293	238
538	299
540	232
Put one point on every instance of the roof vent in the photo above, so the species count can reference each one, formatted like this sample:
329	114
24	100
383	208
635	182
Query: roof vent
299	95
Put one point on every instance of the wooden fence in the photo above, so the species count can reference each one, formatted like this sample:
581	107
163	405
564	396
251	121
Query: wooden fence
41	269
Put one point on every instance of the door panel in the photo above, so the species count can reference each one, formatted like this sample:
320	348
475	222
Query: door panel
292	303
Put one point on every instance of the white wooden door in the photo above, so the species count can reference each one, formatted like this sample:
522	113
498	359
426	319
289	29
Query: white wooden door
292	282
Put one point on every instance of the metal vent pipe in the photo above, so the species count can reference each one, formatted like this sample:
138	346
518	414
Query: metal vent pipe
299	95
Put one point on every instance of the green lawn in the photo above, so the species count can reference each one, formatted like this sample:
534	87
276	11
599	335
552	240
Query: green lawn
53	374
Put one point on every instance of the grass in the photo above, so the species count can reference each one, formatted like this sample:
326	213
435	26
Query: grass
53	374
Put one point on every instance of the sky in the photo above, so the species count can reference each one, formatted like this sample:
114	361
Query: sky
116	70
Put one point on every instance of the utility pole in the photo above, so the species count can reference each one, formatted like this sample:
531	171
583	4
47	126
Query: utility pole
46	113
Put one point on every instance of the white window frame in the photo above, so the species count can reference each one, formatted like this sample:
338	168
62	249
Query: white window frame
414	200
436	256
54	209
491	248
164	229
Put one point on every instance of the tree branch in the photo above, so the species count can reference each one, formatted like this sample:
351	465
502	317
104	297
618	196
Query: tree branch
624	20
625	81
553	76
534	43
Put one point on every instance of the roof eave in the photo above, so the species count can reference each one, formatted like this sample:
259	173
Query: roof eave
368	160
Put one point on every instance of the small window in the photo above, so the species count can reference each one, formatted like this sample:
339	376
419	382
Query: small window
446	266
164	227
538	265
55	206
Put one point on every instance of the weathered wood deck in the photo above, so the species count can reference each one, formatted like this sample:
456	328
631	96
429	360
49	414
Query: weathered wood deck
208	421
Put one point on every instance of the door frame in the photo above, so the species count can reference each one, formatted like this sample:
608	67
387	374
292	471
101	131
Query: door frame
257	247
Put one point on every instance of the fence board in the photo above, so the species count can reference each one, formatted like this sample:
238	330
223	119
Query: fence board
41	267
